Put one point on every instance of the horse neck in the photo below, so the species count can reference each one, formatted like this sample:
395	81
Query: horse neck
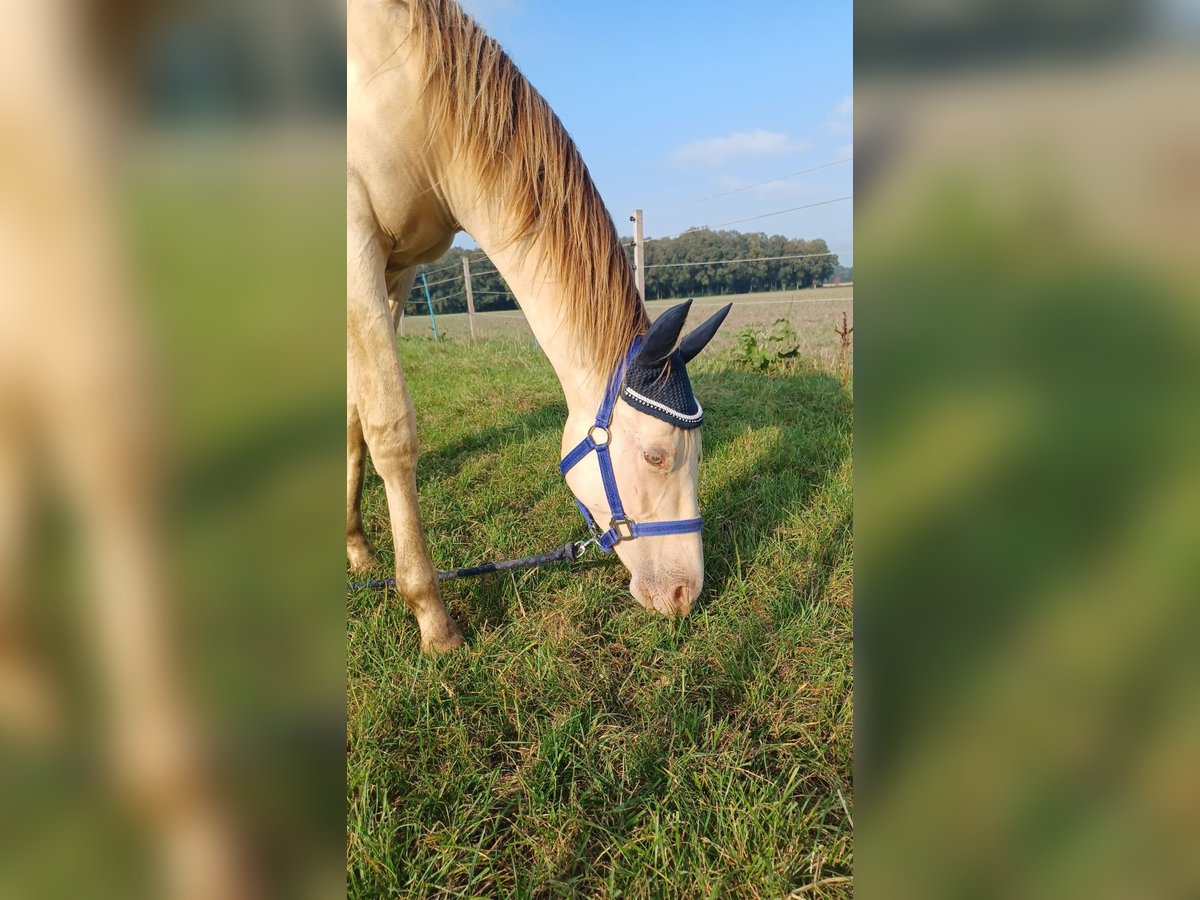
528	268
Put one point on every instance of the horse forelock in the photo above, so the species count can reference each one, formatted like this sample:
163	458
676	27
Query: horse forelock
486	113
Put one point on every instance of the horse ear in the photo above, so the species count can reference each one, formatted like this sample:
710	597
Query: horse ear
660	339
698	339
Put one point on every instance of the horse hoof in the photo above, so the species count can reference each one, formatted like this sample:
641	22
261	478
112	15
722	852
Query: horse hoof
447	640
362	559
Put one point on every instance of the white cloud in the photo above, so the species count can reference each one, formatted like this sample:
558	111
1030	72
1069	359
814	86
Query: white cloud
841	122
736	145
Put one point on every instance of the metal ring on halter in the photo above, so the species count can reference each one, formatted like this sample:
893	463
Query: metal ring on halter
607	435
614	526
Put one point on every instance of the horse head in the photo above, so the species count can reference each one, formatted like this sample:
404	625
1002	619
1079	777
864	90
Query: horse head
640	494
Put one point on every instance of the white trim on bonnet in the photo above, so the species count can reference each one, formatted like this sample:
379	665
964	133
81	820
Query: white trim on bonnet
695	417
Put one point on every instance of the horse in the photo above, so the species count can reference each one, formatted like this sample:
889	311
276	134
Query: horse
444	134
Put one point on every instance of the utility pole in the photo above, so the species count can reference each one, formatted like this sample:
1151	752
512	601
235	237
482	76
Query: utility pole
470	296
639	254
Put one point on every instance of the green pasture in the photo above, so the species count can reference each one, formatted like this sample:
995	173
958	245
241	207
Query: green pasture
581	746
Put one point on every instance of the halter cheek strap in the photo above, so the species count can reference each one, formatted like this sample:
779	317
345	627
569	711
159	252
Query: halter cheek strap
620	526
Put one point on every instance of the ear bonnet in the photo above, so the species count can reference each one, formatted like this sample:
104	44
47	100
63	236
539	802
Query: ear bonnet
656	380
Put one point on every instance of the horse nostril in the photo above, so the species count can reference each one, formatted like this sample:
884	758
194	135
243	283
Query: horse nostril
681	599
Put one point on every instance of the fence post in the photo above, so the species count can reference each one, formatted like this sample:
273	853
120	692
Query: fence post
639	254
470	296
429	303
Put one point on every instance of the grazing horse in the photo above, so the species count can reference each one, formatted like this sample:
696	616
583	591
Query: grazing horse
444	134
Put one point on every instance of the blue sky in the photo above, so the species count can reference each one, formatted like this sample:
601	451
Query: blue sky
673	102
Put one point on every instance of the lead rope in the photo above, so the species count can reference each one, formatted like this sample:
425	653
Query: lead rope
567	553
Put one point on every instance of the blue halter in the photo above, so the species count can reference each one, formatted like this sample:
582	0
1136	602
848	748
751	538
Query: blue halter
620	526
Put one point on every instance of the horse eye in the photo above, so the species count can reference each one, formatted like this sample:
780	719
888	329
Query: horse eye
654	457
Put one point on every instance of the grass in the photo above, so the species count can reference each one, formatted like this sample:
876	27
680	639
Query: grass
581	746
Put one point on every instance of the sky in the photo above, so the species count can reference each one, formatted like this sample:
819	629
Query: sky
670	103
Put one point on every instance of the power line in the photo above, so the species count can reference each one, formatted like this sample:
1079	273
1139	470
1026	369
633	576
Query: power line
780	212
836	162
777	212
716	262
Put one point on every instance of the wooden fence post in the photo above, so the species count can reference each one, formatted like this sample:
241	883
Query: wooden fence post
470	296
639	254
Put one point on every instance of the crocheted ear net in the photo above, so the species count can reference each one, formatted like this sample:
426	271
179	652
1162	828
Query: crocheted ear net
667	398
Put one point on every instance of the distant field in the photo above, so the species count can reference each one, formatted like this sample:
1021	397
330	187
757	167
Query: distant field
814	313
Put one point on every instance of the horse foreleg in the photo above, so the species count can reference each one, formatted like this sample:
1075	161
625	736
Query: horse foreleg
388	424
358	548
399	287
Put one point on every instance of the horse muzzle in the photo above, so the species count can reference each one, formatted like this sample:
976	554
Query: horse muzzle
672	597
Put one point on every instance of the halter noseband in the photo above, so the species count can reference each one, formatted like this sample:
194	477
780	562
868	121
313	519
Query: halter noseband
620	526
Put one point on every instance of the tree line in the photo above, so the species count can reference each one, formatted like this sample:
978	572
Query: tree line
674	268
671	269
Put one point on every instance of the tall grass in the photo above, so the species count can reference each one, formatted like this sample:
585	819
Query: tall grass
581	746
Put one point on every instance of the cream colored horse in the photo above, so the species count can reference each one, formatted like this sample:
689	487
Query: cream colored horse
444	134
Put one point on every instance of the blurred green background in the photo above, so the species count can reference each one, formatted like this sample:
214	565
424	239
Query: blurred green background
228	177
237	217
245	262
1026	498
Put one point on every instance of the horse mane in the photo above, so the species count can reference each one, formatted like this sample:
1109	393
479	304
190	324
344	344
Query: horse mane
477	100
